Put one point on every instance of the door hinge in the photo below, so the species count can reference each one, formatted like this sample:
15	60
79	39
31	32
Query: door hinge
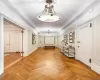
90	24
90	60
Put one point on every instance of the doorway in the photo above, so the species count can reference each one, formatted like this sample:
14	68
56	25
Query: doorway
84	47
13	40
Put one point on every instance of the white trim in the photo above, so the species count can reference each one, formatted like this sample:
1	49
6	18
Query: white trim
1	45
82	59
77	22
30	52
81	11
95	67
12	21
11	7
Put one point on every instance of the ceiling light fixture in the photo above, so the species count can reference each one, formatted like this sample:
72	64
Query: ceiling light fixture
49	15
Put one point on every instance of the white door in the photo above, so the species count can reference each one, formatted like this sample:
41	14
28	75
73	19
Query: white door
6	42
13	42
85	44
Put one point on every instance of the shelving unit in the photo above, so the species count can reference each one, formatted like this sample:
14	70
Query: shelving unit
70	52
67	49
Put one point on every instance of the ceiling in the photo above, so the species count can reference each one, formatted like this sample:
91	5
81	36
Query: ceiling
67	9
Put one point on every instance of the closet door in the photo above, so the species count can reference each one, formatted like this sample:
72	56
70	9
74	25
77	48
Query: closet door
13	42
6	42
85	44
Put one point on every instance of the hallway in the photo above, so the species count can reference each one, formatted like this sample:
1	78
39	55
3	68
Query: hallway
49	64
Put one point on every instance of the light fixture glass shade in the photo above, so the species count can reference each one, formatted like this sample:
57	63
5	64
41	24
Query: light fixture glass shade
48	18
49	15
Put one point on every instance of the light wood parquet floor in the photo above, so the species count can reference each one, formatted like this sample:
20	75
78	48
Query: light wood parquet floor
11	58
49	64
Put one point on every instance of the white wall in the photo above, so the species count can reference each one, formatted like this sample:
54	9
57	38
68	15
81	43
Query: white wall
60	38
95	55
1	46
32	47
96	45
28	46
90	15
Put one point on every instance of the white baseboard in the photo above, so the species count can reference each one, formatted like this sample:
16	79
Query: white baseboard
82	59
76	57
1	72
95	67
29	52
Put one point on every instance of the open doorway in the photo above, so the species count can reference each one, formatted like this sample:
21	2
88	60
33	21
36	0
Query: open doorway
13	43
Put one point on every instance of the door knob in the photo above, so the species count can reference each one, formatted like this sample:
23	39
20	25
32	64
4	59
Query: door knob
78	46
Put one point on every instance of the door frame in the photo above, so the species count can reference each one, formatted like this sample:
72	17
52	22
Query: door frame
1	44
78	41
2	18
16	24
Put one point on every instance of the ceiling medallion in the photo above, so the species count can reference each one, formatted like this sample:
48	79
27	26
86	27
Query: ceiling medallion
48	15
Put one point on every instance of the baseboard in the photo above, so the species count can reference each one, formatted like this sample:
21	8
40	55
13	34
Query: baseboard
31	51
84	60
1	73
95	67
76	57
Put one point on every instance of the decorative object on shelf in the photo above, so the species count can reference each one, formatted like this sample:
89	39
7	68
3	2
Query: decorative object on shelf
65	36
65	40
49	15
33	39
70	52
64	43
72	37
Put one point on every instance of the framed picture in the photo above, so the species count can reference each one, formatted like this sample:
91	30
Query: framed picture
33	39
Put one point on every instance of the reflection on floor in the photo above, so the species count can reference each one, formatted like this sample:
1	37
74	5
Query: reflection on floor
49	64
11	58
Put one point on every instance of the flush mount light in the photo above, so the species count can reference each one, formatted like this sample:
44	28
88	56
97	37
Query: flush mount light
48	15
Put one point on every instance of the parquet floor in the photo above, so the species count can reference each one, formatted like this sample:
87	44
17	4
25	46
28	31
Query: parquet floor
49	64
10	59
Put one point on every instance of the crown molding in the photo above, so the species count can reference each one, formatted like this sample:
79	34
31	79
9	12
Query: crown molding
11	7
91	13
79	13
